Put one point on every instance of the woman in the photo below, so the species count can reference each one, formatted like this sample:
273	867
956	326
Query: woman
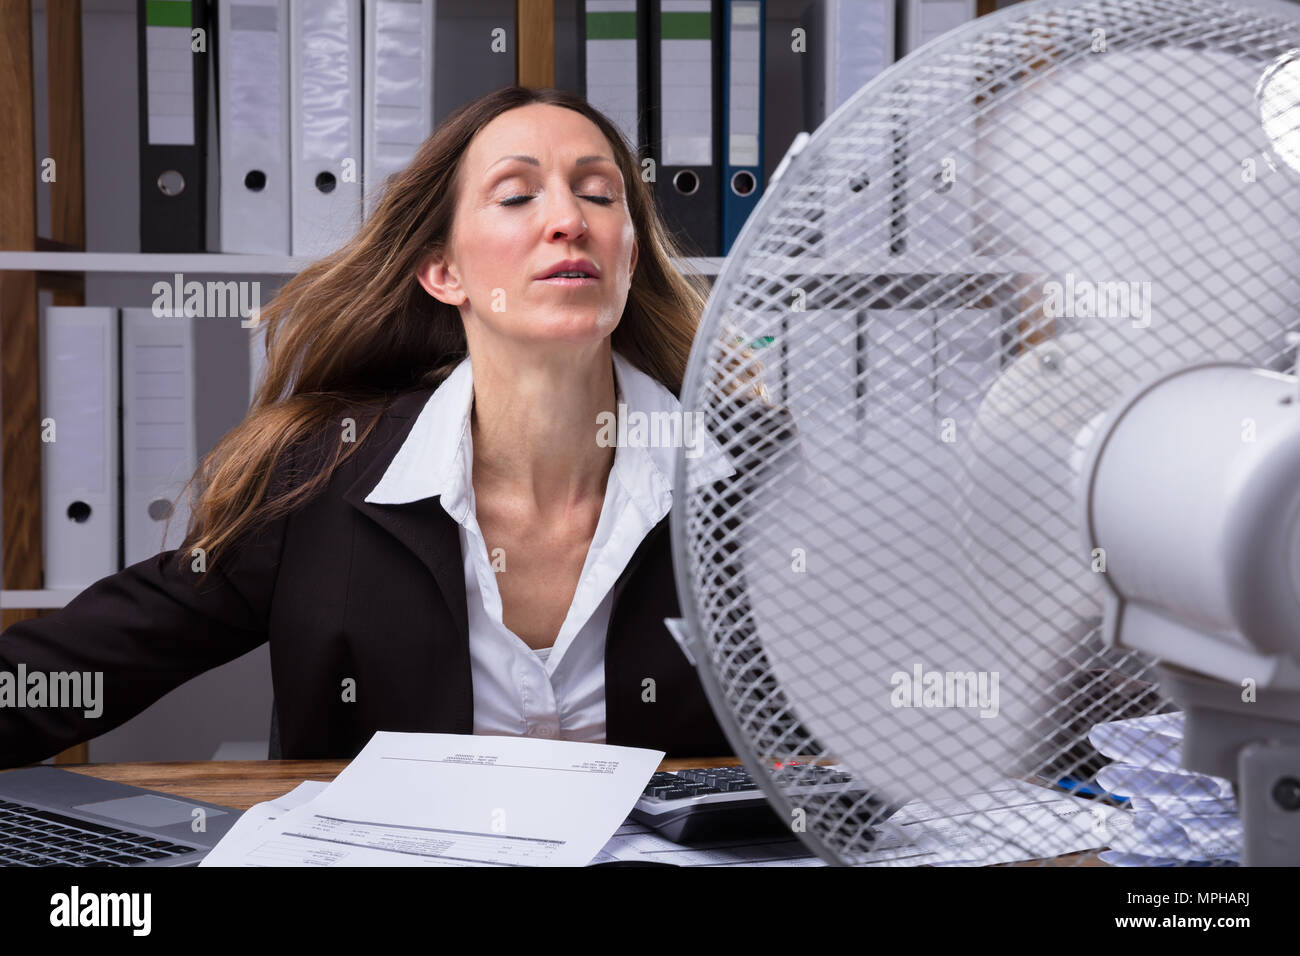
417	512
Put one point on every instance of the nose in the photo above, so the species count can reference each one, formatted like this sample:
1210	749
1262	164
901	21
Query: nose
566	220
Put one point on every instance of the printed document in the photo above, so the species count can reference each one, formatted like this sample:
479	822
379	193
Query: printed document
452	800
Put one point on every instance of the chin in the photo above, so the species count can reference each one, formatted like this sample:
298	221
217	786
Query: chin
571	332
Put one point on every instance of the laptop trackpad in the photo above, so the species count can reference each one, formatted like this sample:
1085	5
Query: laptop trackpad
147	810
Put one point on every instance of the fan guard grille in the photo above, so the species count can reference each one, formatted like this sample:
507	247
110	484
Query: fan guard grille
898	357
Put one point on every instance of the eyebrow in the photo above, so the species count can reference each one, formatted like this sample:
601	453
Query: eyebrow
532	160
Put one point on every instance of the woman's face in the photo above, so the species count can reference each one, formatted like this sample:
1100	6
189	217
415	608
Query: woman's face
517	218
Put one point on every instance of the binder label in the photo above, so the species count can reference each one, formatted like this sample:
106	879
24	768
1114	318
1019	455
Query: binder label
169	73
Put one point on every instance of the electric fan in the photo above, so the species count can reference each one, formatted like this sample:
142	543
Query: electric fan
1003	359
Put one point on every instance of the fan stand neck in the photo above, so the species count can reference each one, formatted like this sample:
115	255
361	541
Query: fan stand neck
1256	745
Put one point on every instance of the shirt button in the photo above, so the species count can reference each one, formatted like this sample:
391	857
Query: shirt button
545	731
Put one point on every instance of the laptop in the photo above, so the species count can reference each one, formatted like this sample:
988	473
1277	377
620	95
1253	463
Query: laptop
52	817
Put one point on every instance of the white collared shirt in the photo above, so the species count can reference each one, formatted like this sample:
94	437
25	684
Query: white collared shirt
558	693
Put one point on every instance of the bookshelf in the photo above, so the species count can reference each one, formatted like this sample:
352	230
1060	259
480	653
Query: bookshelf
20	448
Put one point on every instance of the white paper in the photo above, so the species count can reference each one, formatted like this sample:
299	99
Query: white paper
1130	781
637	842
456	800
1180	816
1153	742
226	852
1012	822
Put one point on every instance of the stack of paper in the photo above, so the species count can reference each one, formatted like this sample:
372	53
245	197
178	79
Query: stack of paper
1179	817
449	800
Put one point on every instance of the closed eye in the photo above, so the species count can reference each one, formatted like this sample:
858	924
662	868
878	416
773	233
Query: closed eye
519	200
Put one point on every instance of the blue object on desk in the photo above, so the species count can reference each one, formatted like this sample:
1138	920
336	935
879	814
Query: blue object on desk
1081	789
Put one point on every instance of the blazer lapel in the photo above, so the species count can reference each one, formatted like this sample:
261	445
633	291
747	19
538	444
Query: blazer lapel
423	526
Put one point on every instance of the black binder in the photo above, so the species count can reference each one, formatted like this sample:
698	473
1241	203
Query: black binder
688	195
173	124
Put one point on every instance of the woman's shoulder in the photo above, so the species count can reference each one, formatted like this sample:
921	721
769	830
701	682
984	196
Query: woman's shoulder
356	429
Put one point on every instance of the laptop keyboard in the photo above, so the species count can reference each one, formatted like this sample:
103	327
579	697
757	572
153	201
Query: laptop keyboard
30	836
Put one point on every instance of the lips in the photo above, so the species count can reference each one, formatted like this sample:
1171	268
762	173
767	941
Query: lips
571	265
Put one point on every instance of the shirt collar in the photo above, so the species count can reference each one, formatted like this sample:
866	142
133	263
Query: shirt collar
436	457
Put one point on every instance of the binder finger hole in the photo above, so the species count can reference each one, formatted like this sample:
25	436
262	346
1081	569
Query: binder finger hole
255	180
743	183
686	182
325	182
171	183
79	512
160	509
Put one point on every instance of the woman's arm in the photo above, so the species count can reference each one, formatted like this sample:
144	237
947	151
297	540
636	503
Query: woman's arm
129	639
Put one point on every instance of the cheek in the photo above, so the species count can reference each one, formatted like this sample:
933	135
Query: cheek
499	258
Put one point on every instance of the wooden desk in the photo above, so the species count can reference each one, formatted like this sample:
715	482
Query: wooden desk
242	783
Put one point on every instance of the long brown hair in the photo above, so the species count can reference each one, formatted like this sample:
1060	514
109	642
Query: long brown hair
356	328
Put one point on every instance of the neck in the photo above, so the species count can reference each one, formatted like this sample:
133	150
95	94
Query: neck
534	424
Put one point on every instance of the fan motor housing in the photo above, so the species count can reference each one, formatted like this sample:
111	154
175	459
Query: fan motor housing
1192	492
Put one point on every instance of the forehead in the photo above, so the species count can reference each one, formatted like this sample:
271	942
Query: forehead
550	133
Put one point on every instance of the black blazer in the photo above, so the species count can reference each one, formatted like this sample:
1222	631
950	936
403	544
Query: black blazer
344	590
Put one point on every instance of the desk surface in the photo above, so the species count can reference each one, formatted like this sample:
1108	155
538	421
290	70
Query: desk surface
242	783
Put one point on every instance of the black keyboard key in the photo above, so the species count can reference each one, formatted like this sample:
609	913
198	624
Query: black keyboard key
124	859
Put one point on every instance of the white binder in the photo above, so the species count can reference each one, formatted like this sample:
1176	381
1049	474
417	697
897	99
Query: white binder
967	363
614	67
325	118
923	20
850	42
253	111
158	430
80	526
398	88
940	148
256	359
